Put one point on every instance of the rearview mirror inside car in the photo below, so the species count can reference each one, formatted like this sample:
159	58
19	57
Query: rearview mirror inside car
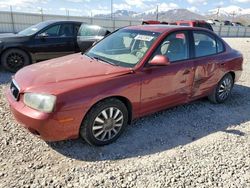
159	60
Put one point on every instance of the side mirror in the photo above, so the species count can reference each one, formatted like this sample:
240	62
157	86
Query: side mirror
159	60
42	35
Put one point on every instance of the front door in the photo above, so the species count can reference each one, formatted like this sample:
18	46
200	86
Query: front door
57	40
165	86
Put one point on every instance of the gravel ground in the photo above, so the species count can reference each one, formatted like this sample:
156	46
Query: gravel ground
194	145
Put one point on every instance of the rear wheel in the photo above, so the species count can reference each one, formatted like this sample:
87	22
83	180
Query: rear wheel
14	59
105	122
223	90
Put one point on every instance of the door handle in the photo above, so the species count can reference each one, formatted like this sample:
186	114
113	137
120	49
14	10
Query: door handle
187	71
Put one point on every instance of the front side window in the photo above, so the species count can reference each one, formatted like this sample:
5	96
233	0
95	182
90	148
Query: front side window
205	44
124	47
52	31
175	47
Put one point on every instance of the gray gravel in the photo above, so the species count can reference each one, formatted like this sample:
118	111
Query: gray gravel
194	145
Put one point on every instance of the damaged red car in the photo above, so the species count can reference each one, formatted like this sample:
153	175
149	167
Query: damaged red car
133	72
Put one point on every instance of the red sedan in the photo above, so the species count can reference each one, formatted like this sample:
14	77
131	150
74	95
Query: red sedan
131	73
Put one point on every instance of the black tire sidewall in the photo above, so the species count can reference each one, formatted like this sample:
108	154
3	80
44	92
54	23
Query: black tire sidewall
86	127
218	87
10	51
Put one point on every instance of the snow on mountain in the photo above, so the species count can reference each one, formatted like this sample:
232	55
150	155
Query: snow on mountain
229	11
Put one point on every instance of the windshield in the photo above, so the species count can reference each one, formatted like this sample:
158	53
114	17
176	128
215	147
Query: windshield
124	47
33	29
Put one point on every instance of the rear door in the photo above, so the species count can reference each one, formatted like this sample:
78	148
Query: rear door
165	86
207	61
55	41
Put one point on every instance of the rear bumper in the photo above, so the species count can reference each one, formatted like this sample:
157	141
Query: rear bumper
49	127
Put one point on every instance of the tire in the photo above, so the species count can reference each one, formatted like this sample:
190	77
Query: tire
14	59
223	90
105	122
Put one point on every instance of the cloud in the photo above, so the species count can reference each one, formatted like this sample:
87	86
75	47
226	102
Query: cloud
139	3
193	9
167	6
232	9
21	3
242	1
78	1
203	2
122	6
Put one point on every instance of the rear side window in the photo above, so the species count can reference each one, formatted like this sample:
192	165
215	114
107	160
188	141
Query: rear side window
66	30
205	44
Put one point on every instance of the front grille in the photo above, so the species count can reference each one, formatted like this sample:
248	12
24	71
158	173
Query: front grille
14	90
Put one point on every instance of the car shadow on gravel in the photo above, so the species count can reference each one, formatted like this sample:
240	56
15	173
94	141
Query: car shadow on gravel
5	77
167	129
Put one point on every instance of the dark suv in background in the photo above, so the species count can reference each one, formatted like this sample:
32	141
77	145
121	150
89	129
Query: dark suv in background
46	40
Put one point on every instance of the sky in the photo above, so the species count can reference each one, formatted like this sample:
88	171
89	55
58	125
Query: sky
92	7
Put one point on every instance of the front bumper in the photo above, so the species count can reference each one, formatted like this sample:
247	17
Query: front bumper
50	127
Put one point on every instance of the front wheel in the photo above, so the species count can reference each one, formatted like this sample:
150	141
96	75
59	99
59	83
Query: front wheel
14	59
223	90
105	122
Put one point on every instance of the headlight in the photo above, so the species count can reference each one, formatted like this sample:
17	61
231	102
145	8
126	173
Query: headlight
41	102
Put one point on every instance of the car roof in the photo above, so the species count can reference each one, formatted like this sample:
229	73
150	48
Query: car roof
61	21
161	28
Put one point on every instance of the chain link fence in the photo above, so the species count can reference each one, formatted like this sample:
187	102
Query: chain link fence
12	22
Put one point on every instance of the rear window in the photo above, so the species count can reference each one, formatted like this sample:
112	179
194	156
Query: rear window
184	24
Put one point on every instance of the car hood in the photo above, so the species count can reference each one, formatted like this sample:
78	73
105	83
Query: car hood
11	37
76	68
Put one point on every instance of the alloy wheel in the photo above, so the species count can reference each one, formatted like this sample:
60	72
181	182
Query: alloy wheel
225	89
107	124
15	60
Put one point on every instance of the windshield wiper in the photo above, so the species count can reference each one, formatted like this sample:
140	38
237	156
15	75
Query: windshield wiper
101	59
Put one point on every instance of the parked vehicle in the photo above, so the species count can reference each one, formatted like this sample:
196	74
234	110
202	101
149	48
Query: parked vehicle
147	22
214	22
194	23
237	24
43	41
135	71
228	23
89	34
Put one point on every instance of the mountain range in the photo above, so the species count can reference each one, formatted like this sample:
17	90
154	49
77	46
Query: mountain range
181	14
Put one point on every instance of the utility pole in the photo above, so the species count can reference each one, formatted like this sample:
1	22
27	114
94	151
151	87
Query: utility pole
233	14
41	11
157	12
12	19
218	12
111	9
67	13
